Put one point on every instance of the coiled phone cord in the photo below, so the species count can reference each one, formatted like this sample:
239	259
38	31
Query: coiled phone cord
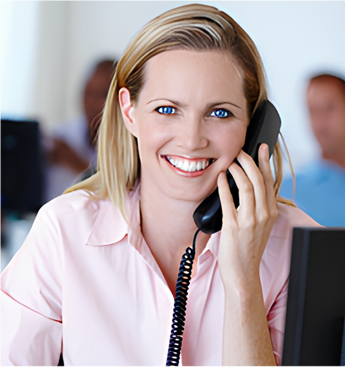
179	310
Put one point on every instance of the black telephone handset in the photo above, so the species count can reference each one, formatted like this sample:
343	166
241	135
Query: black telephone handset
264	127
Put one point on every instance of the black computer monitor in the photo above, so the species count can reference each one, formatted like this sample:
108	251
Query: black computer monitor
21	166
315	315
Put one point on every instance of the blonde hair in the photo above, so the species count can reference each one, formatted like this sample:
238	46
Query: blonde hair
191	27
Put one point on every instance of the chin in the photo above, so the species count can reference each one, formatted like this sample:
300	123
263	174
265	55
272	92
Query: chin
191	194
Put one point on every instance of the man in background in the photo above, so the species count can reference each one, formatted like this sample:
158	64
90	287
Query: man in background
320	187
71	149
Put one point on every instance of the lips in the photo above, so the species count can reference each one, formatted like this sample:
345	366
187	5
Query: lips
189	165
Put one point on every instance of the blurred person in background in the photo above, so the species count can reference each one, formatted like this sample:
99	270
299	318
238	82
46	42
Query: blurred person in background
320	186
71	149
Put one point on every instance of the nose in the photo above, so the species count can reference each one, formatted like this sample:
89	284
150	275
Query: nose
192	134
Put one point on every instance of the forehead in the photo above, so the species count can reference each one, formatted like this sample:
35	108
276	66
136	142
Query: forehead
328	87
187	71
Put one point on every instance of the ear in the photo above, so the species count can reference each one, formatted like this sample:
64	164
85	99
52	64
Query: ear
127	110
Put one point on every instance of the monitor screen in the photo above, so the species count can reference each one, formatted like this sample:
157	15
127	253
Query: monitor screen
21	166
315	315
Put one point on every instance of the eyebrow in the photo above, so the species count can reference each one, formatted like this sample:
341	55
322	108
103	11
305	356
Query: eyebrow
184	105
168	100
218	103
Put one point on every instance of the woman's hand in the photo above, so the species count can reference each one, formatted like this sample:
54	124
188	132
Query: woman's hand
245	231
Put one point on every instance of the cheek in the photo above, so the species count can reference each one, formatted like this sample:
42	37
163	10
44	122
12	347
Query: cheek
338	119
150	140
231	143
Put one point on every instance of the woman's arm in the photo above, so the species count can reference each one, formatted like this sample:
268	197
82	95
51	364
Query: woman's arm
244	235
31	319
28	338
246	338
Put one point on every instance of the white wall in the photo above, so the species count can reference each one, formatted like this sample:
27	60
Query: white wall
33	60
295	39
19	45
51	66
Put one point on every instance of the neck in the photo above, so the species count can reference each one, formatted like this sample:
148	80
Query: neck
168	228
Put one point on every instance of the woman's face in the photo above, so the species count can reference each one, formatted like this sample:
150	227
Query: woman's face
190	120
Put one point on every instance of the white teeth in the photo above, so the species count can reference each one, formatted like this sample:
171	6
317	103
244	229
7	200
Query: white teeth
180	164
192	167
189	166
186	166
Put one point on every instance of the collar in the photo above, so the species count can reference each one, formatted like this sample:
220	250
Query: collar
109	226
213	244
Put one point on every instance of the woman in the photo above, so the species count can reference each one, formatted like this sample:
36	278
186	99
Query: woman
96	277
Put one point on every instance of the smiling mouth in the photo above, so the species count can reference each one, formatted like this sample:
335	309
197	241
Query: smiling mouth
188	165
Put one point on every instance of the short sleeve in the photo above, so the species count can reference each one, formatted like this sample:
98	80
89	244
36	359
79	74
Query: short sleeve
276	322
28	338
31	325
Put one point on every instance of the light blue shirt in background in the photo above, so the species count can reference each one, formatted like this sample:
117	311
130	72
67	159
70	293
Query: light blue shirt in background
320	192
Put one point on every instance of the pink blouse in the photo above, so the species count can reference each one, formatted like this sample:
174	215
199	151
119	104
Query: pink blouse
84	283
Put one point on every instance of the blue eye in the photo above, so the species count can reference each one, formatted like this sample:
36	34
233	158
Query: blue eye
165	110
221	113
